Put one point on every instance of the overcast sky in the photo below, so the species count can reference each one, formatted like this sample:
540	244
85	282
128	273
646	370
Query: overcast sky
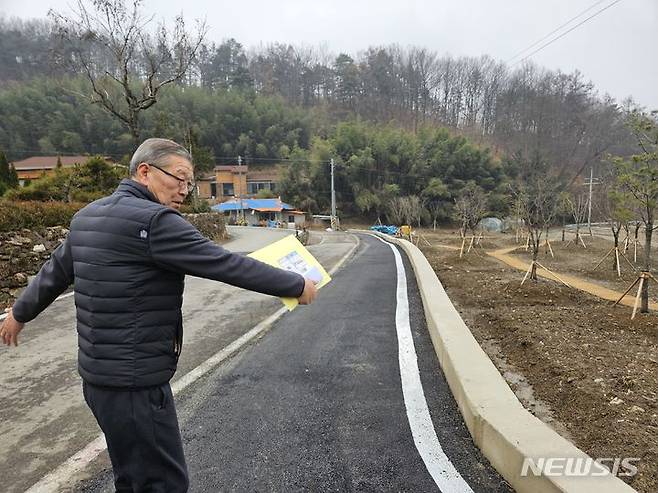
617	49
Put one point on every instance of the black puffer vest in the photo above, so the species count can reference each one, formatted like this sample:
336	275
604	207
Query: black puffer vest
128	308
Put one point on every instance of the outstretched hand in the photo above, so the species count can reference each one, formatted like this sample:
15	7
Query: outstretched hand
309	294
11	327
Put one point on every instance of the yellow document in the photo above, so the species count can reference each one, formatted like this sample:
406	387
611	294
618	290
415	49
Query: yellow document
289	254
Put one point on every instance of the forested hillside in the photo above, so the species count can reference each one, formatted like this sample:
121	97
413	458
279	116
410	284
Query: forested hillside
397	121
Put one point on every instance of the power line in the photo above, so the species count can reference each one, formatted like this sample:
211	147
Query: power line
554	31
566	32
64	154
257	160
232	159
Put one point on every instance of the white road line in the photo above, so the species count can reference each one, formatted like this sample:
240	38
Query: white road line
446	477
60	476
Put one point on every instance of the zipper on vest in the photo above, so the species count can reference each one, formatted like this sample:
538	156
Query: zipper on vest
178	340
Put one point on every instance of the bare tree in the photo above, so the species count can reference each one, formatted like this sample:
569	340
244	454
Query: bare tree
537	194
539	206
405	210
396	210
435	209
127	66
420	82
414	209
470	208
577	206
613	207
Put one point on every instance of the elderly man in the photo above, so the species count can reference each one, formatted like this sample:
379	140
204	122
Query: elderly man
127	255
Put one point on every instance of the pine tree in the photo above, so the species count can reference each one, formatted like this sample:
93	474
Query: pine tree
8	176
13	177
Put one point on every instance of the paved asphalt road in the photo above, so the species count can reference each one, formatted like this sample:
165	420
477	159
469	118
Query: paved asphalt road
43	417
317	404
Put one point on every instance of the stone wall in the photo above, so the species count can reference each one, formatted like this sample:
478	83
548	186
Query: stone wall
210	224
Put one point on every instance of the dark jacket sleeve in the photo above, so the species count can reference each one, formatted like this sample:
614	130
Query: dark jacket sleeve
177	245
52	280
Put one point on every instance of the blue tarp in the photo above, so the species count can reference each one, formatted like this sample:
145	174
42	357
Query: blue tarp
491	224
389	230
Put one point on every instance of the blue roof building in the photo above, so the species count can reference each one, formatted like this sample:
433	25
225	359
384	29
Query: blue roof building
261	212
260	205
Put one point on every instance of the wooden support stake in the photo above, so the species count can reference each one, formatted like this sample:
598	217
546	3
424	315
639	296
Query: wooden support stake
618	264
527	272
550	249
637	298
470	245
553	274
461	251
627	291
604	257
629	262
581	240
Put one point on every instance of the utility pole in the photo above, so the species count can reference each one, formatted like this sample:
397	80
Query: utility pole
195	190
589	202
240	187
333	198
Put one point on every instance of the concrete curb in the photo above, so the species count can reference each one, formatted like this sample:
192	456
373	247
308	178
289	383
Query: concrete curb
500	426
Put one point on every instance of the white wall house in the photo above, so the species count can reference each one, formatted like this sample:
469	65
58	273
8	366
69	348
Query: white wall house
262	212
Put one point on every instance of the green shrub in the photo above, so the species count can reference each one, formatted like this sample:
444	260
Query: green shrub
45	188
195	206
265	194
80	183
16	215
212	225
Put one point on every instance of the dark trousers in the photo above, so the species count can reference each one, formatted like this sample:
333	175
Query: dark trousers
143	438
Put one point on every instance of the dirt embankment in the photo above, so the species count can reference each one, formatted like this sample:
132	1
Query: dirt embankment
576	362
21	255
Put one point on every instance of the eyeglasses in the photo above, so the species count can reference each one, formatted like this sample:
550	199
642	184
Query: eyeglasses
190	185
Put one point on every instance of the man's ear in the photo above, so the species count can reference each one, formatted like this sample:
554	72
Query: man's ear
141	174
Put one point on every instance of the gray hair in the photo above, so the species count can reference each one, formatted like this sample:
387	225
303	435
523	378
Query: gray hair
155	151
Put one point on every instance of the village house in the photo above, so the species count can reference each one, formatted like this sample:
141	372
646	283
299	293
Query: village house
262	212
230	181
36	166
